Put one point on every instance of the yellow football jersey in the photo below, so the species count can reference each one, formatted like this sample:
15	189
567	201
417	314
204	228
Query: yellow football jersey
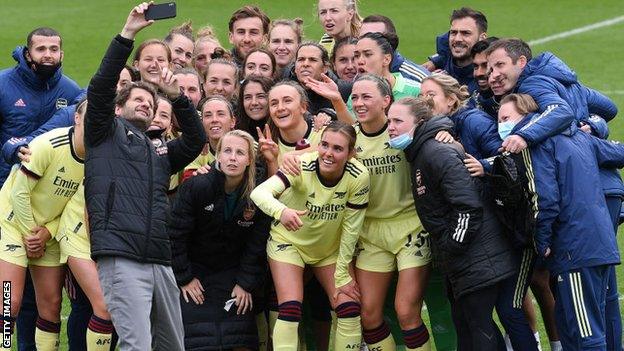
327	42
335	213
72	220
72	230
391	191
36	192
202	160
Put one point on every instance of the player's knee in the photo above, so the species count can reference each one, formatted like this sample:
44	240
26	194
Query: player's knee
49	306
16	303
407	314
371	316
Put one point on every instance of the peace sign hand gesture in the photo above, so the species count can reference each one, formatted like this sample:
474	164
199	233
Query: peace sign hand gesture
266	146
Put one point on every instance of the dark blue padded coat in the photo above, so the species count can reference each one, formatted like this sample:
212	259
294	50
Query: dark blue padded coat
27	102
563	104
478	133
62	118
572	215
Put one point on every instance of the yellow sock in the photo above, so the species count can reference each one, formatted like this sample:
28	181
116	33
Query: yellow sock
263	331
348	334
98	341
46	341
386	344
285	336
332	331
99	334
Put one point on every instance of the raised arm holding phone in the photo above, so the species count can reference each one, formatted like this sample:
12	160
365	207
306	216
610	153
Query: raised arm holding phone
126	196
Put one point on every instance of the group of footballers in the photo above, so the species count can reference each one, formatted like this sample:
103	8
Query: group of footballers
335	173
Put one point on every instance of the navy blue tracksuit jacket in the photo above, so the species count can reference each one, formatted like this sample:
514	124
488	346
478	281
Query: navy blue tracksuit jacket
572	215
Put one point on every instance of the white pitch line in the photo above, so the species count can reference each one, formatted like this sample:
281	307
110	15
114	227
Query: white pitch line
613	92
576	31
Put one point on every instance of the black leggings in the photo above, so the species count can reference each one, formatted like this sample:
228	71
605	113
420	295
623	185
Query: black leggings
472	316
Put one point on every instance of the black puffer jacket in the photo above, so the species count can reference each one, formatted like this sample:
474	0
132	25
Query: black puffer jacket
467	241
126	175
219	252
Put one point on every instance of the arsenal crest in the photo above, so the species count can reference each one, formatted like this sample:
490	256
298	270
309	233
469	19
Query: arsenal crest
60	103
160	146
248	213
157	142
420	188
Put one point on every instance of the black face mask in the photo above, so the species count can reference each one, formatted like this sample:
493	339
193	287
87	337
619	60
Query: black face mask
44	72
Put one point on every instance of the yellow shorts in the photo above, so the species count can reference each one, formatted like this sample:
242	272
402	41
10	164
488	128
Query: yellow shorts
289	253
12	250
73	244
386	246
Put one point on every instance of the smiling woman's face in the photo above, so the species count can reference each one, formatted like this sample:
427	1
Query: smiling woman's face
255	101
153	59
285	106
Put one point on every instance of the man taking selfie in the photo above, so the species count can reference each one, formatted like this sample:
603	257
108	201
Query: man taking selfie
126	182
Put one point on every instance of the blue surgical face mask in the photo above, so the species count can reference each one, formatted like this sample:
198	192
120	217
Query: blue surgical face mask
402	141
505	128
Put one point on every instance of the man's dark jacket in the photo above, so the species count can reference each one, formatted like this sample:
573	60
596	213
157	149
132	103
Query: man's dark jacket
126	175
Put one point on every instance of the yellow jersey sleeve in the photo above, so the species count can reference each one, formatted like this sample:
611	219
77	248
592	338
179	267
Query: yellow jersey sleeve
53	225
265	195
25	181
315	137
43	186
23	185
355	211
42	154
